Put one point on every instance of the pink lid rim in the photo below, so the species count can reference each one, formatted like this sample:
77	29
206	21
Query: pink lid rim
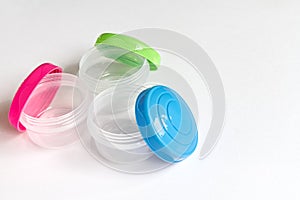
26	88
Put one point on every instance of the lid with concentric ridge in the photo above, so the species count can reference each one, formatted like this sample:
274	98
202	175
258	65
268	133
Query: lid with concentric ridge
166	123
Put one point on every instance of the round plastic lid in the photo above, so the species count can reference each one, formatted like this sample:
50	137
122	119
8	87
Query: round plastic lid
166	123
26	88
134	46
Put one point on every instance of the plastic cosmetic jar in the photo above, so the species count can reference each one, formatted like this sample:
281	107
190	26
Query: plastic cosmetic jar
100	68
117	60
129	126
50	106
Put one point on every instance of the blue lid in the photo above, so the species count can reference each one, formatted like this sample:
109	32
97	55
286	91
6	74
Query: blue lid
166	123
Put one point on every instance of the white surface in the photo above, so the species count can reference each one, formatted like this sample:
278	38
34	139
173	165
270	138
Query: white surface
255	46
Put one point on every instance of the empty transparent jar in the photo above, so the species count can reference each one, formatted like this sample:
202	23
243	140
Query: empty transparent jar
106	66
112	125
129	125
50	106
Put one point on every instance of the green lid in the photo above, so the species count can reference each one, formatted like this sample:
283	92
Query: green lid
134	46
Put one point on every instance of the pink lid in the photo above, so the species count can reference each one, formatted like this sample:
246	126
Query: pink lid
27	87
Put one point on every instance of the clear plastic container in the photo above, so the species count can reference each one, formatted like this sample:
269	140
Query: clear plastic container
112	125
54	110
116	128
106	66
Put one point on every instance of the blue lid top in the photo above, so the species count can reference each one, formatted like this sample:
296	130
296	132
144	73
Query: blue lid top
166	123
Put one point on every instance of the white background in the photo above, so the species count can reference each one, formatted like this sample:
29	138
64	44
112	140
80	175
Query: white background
256	48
